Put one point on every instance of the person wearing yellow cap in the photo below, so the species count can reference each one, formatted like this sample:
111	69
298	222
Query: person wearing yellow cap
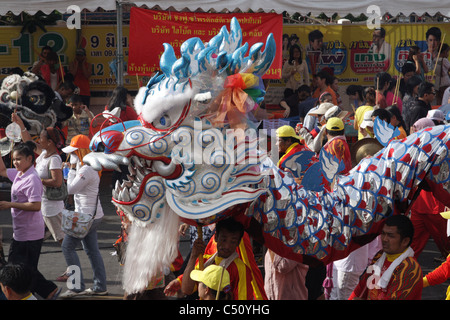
337	143
214	283
228	236
288	143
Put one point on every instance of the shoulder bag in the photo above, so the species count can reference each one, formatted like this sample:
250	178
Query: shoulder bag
56	193
77	224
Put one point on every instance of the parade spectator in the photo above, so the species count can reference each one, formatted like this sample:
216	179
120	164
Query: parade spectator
382	83
408	70
213	283
355	96
382	114
295	70
369	97
397	121
83	182
323	82
284	278
391	93
120	105
313	116
446	96
291	105
81	70
36	68
437	116
306	102
80	120
366	126
445	107
420	124
228	236
415	57
65	90
422	104
16	281
335	87
394	273
49	169
27	221
442	81
316	143
50	70
411	94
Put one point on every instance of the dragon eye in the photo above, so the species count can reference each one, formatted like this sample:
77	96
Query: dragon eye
163	122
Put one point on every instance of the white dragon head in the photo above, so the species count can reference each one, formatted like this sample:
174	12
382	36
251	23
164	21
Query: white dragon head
183	151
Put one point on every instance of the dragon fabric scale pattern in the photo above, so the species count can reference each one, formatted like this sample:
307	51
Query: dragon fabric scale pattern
181	168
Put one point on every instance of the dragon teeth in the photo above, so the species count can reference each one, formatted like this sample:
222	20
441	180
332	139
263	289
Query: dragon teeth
124	195
140	175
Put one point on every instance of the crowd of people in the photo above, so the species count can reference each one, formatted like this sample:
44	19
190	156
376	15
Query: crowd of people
221	265
37	168
321	120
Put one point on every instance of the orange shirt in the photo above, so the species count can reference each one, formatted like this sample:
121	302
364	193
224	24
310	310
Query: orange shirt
317	94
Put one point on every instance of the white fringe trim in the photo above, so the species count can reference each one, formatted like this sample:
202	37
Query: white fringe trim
149	250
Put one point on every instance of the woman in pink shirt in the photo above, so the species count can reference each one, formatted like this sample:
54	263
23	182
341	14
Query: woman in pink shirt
27	221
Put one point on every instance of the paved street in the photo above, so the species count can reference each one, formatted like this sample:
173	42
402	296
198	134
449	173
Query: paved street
52	263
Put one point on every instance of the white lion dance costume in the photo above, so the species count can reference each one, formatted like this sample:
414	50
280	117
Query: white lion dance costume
190	160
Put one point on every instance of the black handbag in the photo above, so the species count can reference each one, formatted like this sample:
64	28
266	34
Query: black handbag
56	193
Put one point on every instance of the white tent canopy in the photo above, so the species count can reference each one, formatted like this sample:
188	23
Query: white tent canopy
47	6
329	7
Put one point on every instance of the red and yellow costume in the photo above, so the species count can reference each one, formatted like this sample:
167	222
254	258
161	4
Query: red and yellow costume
405	283
246	283
293	148
438	276
338	147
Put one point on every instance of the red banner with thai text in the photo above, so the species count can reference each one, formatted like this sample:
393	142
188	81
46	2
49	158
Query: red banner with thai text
149	29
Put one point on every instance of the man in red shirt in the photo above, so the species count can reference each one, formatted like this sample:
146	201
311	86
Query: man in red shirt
394	273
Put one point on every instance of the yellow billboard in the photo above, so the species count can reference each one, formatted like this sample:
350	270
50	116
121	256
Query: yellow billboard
347	50
355	53
22	50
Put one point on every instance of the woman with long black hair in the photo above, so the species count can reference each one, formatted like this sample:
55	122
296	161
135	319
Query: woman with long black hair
295	70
